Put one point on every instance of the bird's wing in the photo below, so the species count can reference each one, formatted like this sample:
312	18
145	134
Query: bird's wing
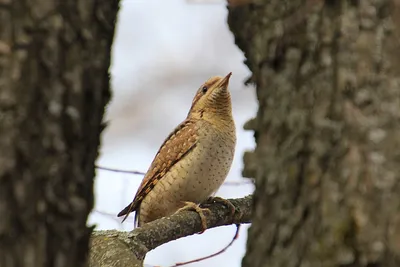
179	143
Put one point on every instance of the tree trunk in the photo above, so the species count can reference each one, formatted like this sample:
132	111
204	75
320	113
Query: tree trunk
54	85
328	134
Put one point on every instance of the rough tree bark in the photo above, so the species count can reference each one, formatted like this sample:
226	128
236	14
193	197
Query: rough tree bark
327	131
54	85
120	249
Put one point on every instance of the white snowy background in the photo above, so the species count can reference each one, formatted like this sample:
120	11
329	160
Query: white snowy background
163	51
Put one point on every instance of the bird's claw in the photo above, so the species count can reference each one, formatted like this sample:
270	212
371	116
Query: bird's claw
193	206
223	201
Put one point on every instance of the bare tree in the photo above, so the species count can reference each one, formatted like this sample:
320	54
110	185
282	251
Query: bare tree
54	85
327	131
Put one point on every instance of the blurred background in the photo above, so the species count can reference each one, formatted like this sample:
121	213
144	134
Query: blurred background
163	51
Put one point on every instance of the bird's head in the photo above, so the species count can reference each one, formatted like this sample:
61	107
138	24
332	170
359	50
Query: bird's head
212	99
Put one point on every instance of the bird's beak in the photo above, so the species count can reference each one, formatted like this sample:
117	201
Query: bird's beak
225	81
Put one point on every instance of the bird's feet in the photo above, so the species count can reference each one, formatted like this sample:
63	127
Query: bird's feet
223	201
193	206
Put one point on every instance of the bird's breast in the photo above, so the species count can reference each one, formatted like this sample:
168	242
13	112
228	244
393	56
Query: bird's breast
208	166
195	177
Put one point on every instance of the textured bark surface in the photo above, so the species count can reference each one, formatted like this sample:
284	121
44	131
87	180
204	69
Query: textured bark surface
327	131
54	85
119	249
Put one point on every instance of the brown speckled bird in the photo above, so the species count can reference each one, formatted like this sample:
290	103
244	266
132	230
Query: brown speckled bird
193	161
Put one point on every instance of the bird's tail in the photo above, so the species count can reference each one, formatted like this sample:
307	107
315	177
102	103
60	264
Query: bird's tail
125	210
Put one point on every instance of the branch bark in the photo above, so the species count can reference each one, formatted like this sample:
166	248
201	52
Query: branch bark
114	248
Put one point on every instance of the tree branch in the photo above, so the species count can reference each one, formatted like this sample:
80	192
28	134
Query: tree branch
114	248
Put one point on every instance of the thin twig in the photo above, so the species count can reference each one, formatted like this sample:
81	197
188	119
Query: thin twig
235	237
230	183
104	213
109	215
202	2
235	183
117	170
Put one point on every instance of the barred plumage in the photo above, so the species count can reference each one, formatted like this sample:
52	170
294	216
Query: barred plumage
195	158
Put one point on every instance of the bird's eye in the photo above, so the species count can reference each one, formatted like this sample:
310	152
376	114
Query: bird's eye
204	89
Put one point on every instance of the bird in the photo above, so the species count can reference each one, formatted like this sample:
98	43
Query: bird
193	161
